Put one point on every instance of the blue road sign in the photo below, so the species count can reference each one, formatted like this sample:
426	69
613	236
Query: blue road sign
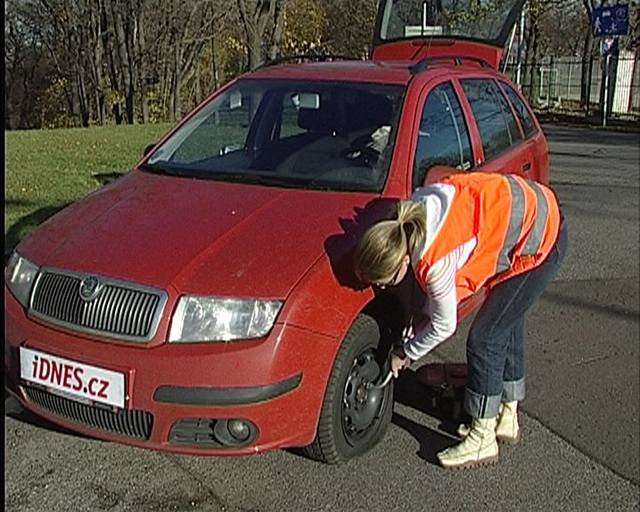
610	20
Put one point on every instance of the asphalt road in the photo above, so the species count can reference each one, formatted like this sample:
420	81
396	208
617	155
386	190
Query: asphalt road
580	448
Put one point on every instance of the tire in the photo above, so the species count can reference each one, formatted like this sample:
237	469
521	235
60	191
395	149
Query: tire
353	418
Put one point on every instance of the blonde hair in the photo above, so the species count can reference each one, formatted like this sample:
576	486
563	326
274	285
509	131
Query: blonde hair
383	246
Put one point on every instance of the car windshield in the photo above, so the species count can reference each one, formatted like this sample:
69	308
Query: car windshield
487	20
301	134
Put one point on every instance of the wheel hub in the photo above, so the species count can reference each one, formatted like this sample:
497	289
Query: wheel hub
361	393
361	404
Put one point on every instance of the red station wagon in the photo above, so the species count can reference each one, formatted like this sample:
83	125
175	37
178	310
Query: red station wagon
204	303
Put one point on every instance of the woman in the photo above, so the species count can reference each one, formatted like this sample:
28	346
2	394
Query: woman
458	235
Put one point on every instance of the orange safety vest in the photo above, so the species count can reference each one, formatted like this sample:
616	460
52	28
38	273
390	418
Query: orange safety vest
515	222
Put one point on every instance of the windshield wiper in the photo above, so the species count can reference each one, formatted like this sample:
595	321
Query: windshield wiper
275	180
165	169
278	181
236	177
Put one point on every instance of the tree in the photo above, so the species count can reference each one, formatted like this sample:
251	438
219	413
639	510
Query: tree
538	36
349	30
305	26
96	29
123	42
70	41
562	27
191	27
25	74
587	53
263	28
329	26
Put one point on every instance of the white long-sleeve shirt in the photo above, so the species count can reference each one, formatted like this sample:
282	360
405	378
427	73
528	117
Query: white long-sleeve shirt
441	278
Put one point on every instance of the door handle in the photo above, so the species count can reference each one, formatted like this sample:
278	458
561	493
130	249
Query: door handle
526	167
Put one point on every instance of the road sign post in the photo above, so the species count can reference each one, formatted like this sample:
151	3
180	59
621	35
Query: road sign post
609	22
605	106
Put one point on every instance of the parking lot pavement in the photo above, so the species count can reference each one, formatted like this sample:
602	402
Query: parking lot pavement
580	443
47	470
588	357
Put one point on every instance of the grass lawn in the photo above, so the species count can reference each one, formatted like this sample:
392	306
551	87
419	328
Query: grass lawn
47	169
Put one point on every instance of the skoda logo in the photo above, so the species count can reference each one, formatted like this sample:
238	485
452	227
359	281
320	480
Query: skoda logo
90	288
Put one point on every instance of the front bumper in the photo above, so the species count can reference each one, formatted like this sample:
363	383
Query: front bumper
276	384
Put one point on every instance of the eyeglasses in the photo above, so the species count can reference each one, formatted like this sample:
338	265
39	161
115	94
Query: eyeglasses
394	279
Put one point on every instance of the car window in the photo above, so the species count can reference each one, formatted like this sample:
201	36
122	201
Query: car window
526	120
496	123
288	133
224	132
443	138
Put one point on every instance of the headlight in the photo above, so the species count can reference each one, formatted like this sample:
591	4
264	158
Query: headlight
19	276
216	319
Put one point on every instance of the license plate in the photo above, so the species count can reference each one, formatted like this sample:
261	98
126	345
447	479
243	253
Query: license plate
72	379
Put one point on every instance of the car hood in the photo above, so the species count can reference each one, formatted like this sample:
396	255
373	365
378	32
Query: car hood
201	237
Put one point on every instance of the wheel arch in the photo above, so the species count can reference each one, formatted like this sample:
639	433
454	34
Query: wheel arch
319	303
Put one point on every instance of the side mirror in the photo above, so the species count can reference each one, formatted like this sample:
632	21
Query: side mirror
148	149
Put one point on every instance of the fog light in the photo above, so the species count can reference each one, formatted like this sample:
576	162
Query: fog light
234	432
239	429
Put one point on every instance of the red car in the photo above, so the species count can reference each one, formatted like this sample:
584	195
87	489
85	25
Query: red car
204	302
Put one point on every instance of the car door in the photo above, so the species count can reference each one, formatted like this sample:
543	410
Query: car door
441	136
534	137
503	148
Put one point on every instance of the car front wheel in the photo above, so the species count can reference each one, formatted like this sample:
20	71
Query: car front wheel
354	415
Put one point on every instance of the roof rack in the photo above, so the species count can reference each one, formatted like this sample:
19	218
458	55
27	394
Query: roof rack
318	57
423	64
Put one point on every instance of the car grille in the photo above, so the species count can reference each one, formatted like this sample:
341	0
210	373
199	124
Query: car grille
135	424
121	310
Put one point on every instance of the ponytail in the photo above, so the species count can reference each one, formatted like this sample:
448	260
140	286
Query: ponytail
413	219
382	248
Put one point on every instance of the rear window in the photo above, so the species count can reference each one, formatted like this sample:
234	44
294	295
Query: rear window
496	123
489	21
526	120
443	138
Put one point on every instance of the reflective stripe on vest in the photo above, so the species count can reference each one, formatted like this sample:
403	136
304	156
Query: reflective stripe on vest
518	204
532	245
515	225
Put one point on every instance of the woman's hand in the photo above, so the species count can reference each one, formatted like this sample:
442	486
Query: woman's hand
399	360
398	363
408	333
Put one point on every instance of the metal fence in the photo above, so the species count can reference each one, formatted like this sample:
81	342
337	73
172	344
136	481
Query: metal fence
557	83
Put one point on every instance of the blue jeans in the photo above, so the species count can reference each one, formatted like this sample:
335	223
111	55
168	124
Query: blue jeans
495	346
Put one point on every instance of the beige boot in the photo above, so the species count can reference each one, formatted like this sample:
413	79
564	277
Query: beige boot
464	428
478	448
508	430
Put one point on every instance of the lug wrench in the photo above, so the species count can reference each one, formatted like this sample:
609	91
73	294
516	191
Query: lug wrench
381	384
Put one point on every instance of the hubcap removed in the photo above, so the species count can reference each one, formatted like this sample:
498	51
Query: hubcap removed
361	404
